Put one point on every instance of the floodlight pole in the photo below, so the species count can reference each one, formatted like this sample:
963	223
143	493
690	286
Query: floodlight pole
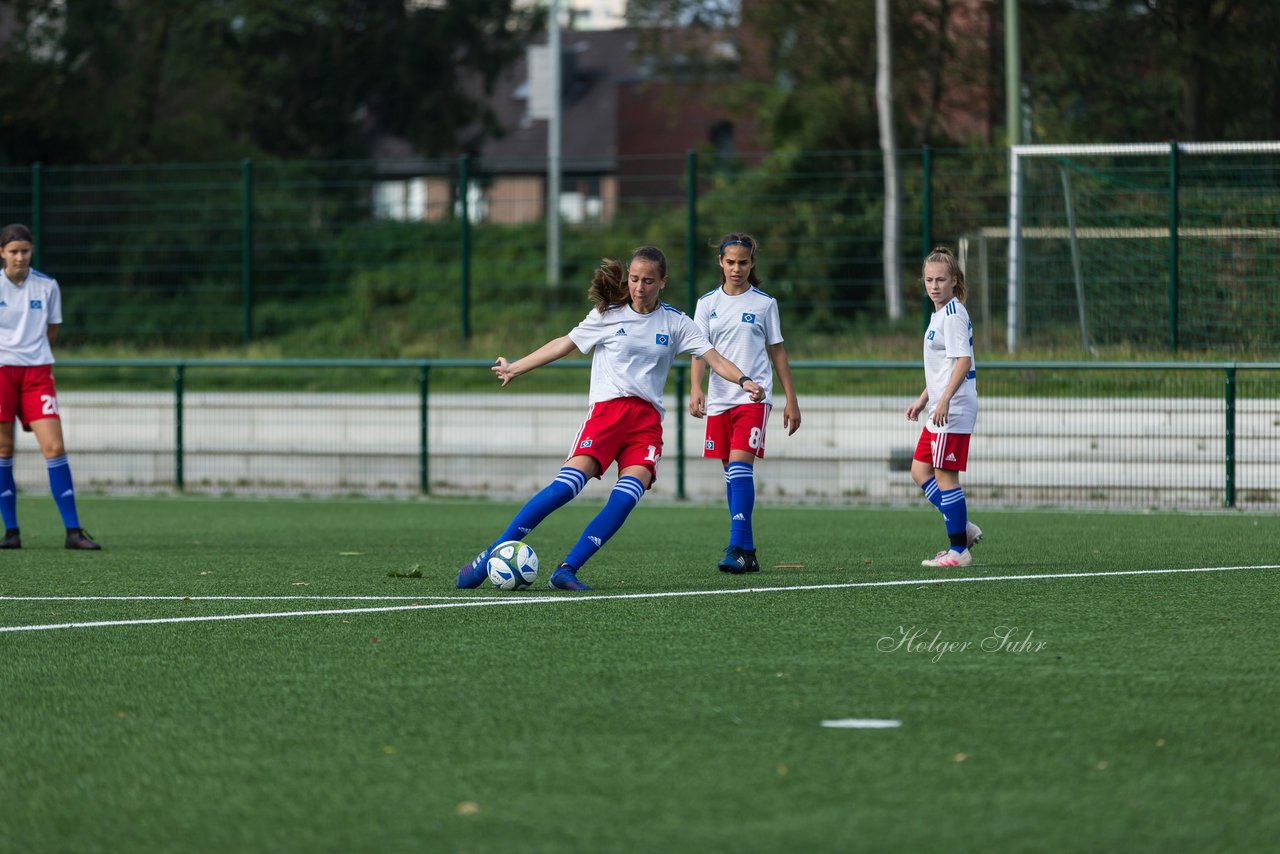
1012	73
553	146
1013	123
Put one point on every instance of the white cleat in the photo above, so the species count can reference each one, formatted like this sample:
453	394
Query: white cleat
972	535
949	558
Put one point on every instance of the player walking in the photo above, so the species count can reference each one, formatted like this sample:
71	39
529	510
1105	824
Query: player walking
635	338
741	321
951	395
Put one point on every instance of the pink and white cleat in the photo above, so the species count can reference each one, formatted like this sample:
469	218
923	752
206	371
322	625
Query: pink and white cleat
949	558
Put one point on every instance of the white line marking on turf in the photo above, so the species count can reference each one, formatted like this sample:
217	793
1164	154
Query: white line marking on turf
532	600
862	723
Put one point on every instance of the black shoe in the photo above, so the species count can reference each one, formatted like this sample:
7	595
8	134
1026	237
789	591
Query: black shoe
735	560
11	539
753	565
78	538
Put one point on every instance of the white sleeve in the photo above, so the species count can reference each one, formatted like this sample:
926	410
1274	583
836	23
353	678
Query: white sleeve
701	316
589	332
957	335
689	336
772	324
54	308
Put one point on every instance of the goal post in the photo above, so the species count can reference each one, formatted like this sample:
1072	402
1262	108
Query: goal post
1123	238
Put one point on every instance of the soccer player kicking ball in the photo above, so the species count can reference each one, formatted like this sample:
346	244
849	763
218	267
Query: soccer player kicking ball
635	338
951	396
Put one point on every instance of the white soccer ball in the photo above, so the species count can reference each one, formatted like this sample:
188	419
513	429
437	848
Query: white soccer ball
512	565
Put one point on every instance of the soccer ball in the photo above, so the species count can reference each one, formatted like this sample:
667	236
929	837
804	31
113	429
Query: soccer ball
512	565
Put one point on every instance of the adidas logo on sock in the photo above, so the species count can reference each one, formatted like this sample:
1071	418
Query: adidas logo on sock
6	493
524	531
67	493
597	541
738	517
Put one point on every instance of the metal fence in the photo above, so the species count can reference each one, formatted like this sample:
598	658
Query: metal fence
1171	435
230	253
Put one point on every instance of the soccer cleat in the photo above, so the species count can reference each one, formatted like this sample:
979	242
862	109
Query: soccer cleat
11	539
566	578
949	558
78	538
753	565
735	560
473	574
972	534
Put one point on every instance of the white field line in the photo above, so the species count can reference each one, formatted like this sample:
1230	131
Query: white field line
534	600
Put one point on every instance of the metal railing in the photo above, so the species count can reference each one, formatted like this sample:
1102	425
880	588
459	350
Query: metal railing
1172	435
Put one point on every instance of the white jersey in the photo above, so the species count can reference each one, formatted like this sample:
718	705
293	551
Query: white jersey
741	328
26	312
634	352
950	337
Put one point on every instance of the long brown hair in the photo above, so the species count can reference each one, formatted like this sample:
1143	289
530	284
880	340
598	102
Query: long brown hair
738	238
609	284
943	255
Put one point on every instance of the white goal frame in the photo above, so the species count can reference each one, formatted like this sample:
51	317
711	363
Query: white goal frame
1015	231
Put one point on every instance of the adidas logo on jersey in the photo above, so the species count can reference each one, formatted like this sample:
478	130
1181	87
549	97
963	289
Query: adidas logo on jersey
620	331
3	304
713	313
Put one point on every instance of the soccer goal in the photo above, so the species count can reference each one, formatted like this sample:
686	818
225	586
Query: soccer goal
1159	245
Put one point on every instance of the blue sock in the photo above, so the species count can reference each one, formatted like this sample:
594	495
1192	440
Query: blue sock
625	496
64	494
956	515
742	500
931	492
8	494
568	483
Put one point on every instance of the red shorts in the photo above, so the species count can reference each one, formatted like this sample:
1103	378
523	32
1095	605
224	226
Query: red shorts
27	393
737	429
626	430
949	451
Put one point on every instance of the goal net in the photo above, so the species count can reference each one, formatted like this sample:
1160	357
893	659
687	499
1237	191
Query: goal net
1151	245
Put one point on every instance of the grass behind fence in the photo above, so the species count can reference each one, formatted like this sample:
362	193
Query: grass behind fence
687	722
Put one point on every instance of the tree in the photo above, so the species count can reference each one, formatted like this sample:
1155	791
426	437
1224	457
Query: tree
116	81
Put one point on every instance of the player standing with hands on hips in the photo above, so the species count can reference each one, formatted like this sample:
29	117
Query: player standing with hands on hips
635	338
741	321
30	314
951	396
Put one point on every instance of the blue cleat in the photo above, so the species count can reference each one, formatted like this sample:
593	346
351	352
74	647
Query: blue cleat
735	560
753	564
566	578
473	574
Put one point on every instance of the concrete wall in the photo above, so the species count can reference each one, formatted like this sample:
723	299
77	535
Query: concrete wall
1144	452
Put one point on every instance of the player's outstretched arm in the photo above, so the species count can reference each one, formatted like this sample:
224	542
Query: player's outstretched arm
733	374
544	355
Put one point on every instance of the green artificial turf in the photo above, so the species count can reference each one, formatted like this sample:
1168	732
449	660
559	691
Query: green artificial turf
1129	712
